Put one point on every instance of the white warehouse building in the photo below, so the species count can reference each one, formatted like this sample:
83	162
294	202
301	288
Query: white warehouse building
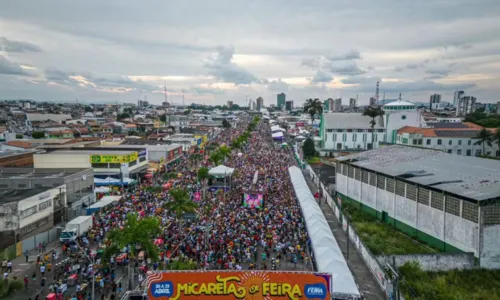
448	201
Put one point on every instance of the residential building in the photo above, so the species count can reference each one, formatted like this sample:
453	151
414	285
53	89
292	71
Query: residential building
289	105
33	119
447	201
165	104
328	105
398	114
352	103
27	212
164	153
349	131
142	103
281	101
259	104
466	105
229	104
337	105
456	97
373	101
452	138
434	101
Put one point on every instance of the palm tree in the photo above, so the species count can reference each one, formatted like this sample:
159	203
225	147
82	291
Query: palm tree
225	151
180	204
203	176
135	232
496	137
216	158
484	137
313	107
373	112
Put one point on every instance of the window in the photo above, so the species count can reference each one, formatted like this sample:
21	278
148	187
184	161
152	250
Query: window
459	151
420	141
360	130
99	165
344	170
437	200
329	130
400	188
415	141
468	152
381	182
498	153
349	130
44	205
450	142
389	184
344	137
449	151
114	166
403	117
428	141
440	141
423	196
364	137
351	172
411	192
28	212
459	142
141	159
364	177
478	152
469	142
380	130
452	205
373	178
491	214
132	163
469	211
354	137
357	174
340	130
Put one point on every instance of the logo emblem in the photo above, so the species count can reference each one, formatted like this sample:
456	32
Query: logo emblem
315	291
162	289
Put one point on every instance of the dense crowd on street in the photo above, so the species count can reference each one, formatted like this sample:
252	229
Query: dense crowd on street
223	235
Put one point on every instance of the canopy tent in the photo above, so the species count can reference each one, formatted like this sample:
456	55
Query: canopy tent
300	137
278	134
105	201
102	189
327	253
112	181
221	171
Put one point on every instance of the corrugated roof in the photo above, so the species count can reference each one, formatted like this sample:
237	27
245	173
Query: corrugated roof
471	177
349	120
45	117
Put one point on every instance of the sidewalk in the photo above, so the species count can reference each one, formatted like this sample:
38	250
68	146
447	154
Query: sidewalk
367	284
20	267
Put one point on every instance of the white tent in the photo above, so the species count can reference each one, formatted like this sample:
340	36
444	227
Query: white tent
277	134
221	171
275	127
329	257
300	137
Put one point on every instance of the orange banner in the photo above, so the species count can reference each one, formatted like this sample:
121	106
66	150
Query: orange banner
251	285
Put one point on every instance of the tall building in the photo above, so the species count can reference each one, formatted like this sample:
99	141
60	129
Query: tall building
498	108
229	104
352	103
281	101
260	103
328	105
457	96
289	105
373	101
165	104
142	103
466	105
337	106
434	101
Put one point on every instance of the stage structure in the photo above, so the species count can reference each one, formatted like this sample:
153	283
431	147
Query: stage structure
220	177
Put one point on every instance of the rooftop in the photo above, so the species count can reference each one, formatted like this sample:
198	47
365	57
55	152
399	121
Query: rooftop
471	177
466	130
7	196
37	173
21	144
45	117
400	103
90	152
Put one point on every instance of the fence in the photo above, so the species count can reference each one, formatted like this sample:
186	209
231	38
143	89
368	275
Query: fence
370	260
433	262
31	243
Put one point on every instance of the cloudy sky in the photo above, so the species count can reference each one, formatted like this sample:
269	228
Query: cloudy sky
219	50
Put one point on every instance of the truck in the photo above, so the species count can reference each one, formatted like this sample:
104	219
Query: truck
76	228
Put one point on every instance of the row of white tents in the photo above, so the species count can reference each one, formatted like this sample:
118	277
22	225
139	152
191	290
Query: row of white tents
326	251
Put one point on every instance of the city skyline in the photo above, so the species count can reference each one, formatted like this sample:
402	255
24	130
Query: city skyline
232	50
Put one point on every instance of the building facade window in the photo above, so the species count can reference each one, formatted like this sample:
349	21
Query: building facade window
459	151
44	205
373	179
452	205
440	141
449	151
491	214
411	192
354	137
364	176
468	152
350	173
428	141
450	142
423	196
389	185
469	142
28	212
381	182
400	188
357	174
470	211
459	142
437	200
344	170
329	130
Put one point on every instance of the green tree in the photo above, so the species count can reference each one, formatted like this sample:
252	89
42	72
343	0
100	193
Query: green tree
496	137
226	124
484	137
163	118
203	176
187	112
38	135
135	233
313	107
123	116
19	135
308	148
216	157
179	204
373	113
225	151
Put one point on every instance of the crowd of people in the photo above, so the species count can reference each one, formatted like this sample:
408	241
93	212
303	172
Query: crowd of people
224	234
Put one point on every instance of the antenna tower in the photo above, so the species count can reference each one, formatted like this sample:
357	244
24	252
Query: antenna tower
377	91
166	96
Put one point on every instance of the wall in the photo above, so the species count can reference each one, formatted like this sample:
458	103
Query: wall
490	256
35	201
395	120
62	161
442	230
353	140
432	262
21	160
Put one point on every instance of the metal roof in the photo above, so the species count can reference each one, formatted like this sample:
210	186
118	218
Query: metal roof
45	117
457	133
7	196
349	121
470	177
447	125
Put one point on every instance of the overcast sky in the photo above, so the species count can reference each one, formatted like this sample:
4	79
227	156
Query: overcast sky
219	50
